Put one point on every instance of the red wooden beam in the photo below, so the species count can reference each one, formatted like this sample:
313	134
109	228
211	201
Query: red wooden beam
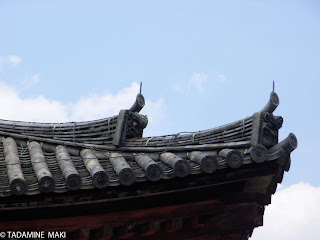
115	219
193	221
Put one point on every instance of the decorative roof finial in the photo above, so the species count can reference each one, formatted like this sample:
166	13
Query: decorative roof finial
272	87
139	103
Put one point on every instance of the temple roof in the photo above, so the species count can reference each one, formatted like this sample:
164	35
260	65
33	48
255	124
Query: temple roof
57	170
60	157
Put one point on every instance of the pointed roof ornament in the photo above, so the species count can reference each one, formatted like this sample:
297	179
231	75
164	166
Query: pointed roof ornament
272	87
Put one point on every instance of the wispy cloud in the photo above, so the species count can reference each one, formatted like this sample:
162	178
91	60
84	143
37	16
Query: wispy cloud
221	78
178	88
29	82
2	61
294	214
35	78
198	81
14	60
195	84
10	60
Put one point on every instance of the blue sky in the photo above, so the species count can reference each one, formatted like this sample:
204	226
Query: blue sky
202	64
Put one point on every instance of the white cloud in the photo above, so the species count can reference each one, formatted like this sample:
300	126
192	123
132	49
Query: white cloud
99	106
14	60
221	78
156	117
41	109
293	214
14	107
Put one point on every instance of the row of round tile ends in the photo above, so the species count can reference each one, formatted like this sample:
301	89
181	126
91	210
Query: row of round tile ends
100	179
